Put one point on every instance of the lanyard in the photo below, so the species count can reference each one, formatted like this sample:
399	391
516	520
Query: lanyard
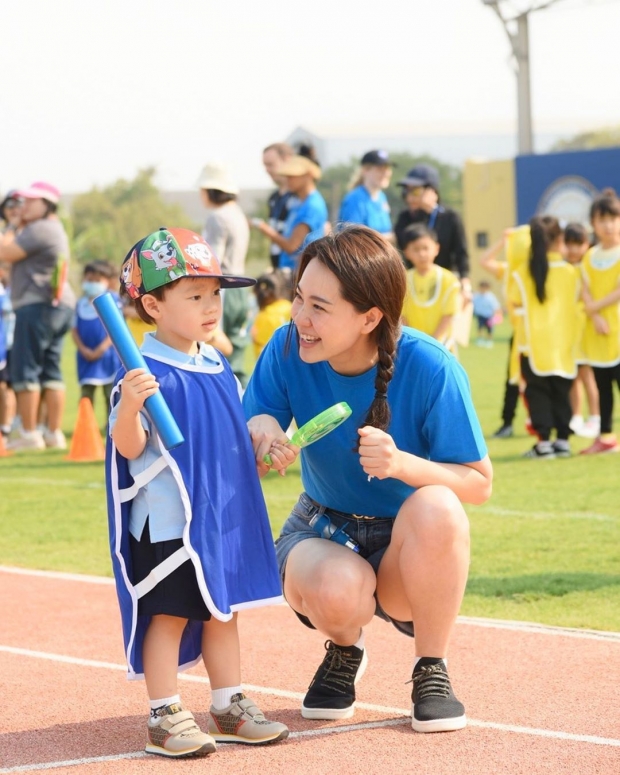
433	216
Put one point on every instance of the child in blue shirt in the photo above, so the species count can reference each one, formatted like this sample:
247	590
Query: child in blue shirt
190	547
97	361
486	307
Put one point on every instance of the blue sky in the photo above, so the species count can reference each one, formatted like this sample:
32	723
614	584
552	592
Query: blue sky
93	90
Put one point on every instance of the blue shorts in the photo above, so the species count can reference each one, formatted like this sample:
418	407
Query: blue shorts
371	534
37	348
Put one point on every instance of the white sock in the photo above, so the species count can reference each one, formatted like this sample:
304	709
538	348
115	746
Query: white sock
176	698
221	698
359	644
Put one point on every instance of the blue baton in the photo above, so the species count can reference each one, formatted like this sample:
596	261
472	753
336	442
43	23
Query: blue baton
131	358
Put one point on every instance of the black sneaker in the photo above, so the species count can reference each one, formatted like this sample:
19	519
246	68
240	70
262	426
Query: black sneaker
504	432
331	695
561	448
541	451
435	708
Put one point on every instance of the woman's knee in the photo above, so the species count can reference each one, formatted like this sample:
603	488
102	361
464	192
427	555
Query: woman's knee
434	513
336	585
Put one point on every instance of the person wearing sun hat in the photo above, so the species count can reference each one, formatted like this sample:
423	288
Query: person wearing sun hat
189	534
307	213
226	229
366	202
38	252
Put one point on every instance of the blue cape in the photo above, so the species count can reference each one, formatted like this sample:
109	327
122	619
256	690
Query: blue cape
227	533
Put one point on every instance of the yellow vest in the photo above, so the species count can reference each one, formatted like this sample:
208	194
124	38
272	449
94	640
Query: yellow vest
429	298
517	248
601	273
267	320
550	328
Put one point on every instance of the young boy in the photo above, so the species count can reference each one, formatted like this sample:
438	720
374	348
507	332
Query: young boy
97	361
432	298
191	542
486	307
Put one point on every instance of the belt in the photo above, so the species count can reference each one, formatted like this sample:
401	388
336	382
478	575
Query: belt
343	514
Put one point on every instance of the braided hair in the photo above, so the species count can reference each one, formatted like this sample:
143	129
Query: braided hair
371	274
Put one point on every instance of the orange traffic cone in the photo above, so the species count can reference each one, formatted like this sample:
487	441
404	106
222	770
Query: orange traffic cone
86	444
4	452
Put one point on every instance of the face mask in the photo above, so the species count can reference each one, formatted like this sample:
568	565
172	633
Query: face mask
92	289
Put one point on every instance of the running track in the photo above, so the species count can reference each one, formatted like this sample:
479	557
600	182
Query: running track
538	699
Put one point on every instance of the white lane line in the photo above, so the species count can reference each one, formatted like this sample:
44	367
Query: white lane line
556	735
324	732
142	754
541	629
501	624
49	574
589	515
73	762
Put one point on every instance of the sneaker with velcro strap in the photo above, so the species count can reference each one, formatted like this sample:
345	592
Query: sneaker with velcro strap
331	694
174	732
243	722
434	706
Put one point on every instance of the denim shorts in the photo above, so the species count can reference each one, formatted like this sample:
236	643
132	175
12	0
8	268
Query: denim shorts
37	348
372	536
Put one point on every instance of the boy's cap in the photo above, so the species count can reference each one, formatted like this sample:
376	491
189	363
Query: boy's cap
167	255
217	177
379	158
421	175
41	190
299	165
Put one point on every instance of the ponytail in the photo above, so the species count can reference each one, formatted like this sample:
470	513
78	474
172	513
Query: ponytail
544	232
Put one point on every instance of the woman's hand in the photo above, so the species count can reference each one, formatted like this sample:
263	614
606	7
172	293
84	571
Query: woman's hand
137	386
269	438
379	456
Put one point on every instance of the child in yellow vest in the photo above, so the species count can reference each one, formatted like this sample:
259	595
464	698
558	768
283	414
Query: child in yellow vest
600	270
515	244
433	293
273	309
547	290
577	244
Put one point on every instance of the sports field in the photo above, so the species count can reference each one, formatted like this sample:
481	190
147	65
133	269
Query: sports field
545	548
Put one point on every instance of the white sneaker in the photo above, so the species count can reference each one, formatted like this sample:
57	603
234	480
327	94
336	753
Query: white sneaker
576	424
25	440
55	439
591	428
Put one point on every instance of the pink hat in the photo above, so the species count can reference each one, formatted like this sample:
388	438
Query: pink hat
41	190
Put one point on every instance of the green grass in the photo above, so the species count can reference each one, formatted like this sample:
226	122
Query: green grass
545	548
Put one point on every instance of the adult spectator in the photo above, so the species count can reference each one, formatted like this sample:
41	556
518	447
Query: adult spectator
38	251
227	232
366	202
307	213
274	156
226	227
421	194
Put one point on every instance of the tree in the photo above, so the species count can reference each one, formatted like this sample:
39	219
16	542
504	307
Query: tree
336	180
108	221
598	138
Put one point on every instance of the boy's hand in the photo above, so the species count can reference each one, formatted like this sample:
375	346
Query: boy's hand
379	456
137	386
601	326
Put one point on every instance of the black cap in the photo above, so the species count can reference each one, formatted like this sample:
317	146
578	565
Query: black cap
421	175
378	158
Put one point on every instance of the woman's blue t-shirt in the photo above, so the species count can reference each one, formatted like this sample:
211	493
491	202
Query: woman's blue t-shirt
433	417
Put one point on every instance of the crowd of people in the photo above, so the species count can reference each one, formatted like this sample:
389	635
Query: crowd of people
563	295
366	310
